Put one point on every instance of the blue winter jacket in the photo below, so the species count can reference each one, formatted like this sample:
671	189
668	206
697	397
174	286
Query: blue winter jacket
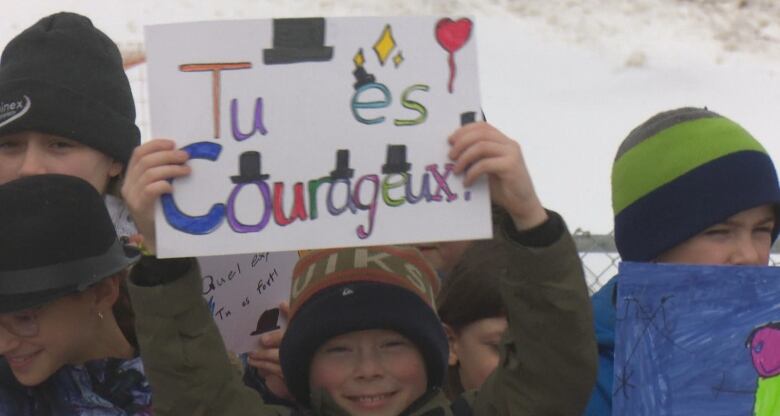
107	387
600	403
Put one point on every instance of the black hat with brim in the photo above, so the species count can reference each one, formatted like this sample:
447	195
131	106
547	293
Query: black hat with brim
56	238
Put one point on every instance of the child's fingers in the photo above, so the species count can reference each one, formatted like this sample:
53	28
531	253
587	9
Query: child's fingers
462	140
140	197
483	167
142	191
265	368
478	151
284	307
271	339
154	190
265	354
469	129
161	158
163	173
152	146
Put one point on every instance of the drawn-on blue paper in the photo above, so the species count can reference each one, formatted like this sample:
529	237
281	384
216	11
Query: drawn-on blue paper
697	340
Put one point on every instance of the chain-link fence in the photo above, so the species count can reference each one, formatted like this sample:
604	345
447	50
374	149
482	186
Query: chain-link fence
600	258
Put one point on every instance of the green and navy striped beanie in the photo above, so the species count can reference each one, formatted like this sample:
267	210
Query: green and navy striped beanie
681	172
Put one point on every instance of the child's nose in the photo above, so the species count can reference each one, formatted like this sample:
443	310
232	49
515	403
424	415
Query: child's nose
32	163
369	365
746	253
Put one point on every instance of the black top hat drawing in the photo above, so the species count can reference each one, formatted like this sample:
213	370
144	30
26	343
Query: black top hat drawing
298	40
249	168
362	77
342	171
396	159
268	321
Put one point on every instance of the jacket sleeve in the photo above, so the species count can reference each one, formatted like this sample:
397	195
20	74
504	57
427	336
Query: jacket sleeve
548	354
184	357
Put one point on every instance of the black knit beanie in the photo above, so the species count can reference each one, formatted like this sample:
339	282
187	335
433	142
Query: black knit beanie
63	76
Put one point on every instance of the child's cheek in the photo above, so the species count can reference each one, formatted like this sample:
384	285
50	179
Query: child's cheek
329	376
408	369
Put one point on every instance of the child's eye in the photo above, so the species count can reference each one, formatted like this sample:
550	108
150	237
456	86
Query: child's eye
24	317
9	144
493	345
767	229
393	343
336	349
717	231
61	144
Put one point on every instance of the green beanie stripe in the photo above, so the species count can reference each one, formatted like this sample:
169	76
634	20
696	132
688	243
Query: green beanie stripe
648	165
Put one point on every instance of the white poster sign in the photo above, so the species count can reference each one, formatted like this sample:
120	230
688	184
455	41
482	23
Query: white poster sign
316	132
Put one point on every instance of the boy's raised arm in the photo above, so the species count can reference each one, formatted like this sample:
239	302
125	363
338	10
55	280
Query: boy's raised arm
548	355
184	356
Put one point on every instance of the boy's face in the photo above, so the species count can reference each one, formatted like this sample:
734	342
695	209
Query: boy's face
475	350
375	372
743	239
33	153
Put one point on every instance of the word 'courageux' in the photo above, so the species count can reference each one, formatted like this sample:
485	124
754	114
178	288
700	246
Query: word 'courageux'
362	195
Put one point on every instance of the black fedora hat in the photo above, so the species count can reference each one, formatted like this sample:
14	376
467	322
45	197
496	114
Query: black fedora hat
56	238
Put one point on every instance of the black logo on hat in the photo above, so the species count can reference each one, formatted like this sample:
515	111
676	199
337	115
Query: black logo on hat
12	110
298	40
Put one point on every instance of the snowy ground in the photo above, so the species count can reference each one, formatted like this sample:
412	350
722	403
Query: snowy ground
568	79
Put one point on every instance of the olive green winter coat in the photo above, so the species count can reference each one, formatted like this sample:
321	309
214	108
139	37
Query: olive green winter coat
547	365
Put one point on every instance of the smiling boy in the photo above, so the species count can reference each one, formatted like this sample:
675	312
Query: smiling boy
370	370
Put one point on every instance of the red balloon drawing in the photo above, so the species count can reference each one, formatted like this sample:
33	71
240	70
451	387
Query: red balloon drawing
452	35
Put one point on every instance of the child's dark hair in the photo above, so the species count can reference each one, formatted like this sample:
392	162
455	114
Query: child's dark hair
471	293
123	311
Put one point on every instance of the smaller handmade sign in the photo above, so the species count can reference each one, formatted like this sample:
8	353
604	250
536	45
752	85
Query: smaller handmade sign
697	340
244	292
